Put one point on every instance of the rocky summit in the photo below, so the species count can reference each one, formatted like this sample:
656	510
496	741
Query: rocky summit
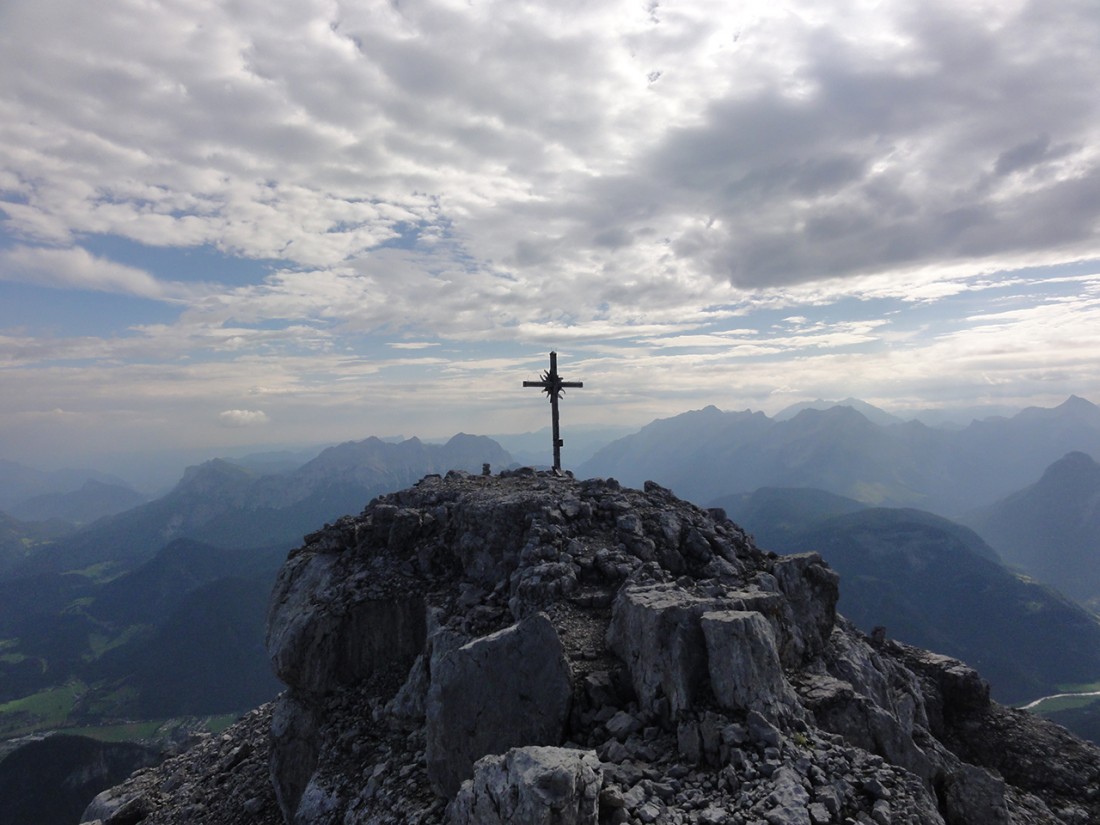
529	648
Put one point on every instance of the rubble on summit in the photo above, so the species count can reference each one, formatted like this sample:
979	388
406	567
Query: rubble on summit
530	648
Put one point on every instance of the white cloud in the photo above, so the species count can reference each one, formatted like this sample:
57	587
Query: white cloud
76	268
775	148
242	418
626	180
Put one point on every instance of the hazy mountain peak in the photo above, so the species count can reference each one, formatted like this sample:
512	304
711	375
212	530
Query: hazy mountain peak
1052	528
709	412
214	470
868	411
1075	458
18	482
466	441
835	415
1076	402
352	453
1074	409
1072	473
92	501
1080	408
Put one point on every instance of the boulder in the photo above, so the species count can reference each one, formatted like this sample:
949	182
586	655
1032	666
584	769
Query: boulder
973	796
509	689
743	663
530	786
655	630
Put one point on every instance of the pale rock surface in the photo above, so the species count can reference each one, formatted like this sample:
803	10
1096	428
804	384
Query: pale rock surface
657	631
743	663
531	786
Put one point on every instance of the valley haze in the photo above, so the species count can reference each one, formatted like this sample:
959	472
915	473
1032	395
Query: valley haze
155	470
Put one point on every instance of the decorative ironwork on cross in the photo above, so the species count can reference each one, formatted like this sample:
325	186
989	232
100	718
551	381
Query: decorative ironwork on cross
553	386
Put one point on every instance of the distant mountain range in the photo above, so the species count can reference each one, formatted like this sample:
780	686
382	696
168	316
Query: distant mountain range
92	501
20	484
159	611
535	449
709	453
230	506
868	411
934	584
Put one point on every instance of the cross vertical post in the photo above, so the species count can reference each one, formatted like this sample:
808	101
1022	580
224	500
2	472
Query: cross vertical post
553	386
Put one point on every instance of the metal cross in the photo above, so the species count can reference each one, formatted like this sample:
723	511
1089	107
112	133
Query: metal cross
552	385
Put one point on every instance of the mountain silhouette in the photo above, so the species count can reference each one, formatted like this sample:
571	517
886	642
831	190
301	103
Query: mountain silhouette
708	453
1051	529
932	583
224	504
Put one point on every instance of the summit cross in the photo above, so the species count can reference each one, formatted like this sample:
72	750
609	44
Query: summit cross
552	385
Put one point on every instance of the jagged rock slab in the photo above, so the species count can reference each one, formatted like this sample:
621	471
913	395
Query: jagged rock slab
509	688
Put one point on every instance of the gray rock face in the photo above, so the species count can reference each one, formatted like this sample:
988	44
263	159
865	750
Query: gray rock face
531	786
317	646
973	796
656	630
294	752
507	689
743	663
641	658
811	590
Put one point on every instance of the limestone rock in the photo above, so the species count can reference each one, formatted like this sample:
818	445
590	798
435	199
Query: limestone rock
811	591
973	796
508	689
656	630
743	663
790	801
531	786
315	647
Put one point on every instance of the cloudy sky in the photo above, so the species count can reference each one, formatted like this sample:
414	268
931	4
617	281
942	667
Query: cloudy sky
232	222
